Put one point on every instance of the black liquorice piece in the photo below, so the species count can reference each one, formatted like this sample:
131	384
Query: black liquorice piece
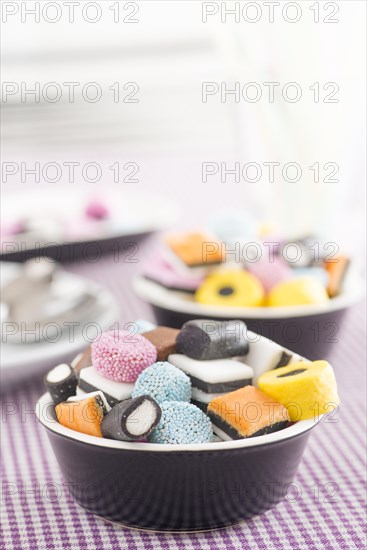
205	339
61	383
132	419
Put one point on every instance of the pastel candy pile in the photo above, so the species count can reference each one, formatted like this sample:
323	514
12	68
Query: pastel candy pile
225	382
122	356
163	382
182	423
238	265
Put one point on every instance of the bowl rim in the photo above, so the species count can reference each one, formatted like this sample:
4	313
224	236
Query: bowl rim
45	401
158	295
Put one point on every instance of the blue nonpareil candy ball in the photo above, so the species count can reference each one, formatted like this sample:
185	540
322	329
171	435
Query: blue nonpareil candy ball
163	382
182	423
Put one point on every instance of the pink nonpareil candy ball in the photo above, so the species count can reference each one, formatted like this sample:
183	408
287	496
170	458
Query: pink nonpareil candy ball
122	356
270	273
97	210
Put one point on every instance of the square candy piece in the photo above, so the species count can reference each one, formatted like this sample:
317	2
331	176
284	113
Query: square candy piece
266	355
164	340
216	376
247	412
90	380
195	249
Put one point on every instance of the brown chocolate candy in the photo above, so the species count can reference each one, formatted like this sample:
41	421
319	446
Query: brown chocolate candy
164	340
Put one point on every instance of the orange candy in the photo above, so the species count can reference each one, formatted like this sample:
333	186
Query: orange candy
336	270
248	410
84	416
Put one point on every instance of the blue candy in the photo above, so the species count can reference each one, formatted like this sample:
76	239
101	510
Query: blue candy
182	423
163	382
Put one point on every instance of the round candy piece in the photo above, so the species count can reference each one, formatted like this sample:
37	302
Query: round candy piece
231	288
306	389
163	382
182	423
296	292
122	356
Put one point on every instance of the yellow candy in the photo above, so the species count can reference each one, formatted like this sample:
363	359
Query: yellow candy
231	288
305	389
297	292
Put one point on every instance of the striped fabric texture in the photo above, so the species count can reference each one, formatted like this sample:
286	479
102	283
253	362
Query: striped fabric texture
323	509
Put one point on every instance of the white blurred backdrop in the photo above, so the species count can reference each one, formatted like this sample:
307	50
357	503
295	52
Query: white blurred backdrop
163	59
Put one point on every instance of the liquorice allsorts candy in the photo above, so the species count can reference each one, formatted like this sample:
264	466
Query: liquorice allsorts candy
61	383
212	378
297	292
182	423
121	356
195	249
131	419
247	412
208	339
306	389
91	380
264	355
164	341
336	269
161	271
164	382
231	288
84	413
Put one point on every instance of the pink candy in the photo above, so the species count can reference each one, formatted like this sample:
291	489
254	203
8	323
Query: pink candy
270	273
122	356
96	210
158	269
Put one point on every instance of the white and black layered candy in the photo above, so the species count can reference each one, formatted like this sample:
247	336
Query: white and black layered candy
206	339
90	380
61	383
132	419
264	355
212	378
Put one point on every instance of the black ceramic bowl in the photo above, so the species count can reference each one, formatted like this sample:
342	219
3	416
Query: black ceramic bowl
176	488
310	330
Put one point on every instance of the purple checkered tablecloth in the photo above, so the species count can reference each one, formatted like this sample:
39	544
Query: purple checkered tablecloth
324	508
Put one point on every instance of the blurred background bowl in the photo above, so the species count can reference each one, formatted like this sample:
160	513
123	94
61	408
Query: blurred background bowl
309	330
